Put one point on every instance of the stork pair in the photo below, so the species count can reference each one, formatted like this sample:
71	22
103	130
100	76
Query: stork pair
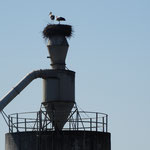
52	17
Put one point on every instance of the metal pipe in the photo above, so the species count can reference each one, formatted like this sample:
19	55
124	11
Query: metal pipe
22	84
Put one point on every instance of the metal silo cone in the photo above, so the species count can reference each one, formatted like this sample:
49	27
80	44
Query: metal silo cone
59	113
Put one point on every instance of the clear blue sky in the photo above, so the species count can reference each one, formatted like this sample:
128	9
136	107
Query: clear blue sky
110	52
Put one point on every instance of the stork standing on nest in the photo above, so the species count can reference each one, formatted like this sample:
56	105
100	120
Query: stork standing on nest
52	17
60	19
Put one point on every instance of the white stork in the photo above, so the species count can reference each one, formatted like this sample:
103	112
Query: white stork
60	19
52	17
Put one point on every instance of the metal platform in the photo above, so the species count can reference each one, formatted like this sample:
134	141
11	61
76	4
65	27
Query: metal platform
40	121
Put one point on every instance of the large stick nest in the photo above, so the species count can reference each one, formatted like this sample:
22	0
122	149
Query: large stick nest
57	30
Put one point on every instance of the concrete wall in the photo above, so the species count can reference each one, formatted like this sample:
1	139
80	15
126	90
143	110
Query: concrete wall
64	140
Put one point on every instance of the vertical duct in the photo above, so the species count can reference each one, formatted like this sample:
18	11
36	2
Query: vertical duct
58	48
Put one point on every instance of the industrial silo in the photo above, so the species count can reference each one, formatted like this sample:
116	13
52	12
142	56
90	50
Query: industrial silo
59	124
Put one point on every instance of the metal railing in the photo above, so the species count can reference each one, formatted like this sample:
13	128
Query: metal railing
40	121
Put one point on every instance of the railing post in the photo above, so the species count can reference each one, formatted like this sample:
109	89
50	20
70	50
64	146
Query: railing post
12	124
40	120
103	123
69	124
106	123
96	121
17	121
9	123
37	121
77	120
90	124
25	124
46	120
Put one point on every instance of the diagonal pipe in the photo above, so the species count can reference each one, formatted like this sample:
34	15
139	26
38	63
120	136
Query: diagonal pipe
22	84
